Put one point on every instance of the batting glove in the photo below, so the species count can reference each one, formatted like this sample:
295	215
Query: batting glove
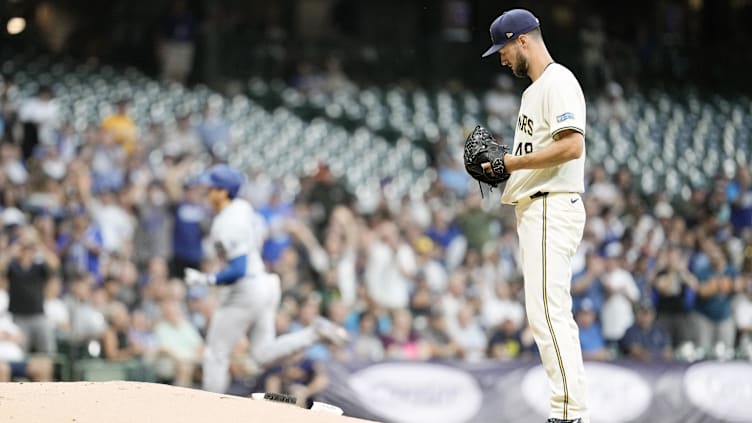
195	277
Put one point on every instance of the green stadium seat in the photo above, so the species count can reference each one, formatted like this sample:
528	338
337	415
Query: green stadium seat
97	370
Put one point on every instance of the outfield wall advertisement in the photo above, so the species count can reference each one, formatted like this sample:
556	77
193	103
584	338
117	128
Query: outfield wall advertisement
622	392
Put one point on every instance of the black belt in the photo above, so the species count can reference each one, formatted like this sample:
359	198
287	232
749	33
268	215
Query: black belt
538	195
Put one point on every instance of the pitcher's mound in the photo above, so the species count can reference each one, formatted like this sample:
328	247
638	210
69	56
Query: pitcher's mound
135	402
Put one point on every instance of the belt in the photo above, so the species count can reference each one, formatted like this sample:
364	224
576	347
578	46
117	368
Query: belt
538	195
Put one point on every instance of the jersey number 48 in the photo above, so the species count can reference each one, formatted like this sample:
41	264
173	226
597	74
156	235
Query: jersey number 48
523	148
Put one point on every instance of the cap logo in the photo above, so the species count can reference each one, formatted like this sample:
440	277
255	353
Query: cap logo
509	34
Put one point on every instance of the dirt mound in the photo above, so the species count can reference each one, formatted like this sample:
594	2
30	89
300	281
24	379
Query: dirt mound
135	402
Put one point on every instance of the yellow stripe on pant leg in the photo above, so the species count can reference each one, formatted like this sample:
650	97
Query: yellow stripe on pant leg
548	317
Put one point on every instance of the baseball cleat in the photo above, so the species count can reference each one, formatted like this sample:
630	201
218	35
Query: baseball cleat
553	420
330	332
326	408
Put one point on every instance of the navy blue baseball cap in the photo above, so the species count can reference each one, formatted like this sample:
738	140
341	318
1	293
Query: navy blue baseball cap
509	26
223	177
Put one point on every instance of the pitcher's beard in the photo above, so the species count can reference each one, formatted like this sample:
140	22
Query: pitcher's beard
521	67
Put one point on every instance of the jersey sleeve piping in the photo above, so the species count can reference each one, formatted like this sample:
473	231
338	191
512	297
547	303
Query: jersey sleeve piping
573	128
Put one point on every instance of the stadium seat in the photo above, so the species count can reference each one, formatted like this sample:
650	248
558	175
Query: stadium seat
99	370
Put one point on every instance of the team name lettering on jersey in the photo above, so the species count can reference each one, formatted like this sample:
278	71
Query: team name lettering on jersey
525	124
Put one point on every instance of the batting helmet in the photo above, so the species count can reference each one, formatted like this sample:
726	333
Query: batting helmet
224	177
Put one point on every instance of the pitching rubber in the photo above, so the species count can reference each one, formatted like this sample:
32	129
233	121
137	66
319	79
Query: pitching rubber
289	399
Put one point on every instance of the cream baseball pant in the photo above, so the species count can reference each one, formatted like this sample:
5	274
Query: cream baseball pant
550	229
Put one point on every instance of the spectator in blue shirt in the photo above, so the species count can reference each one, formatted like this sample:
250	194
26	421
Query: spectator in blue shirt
587	284
189	220
592	342
213	129
739	194
645	340
442	229
276	215
81	247
711	319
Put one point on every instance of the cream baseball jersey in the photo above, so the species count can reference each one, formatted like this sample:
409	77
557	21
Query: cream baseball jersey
551	104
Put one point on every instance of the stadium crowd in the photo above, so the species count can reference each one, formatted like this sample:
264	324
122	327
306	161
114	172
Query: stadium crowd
99	224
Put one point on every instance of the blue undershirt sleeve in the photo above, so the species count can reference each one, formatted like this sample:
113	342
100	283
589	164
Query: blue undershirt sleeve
235	270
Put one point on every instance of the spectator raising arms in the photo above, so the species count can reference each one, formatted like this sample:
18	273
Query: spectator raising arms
674	287
711	319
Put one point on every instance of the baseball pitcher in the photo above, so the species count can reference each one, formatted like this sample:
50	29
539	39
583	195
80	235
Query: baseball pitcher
544	176
249	295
